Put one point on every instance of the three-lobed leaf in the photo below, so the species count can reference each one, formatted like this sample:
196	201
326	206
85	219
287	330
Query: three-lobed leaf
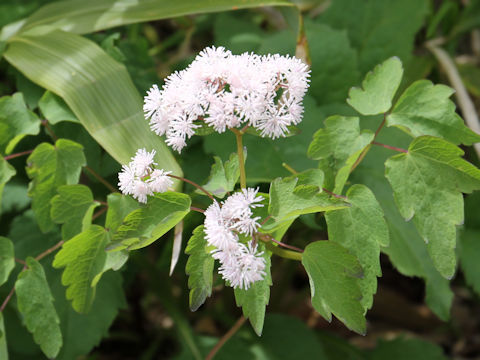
16	121
83	258
143	226
288	201
7	259
73	207
50	166
35	303
339	145
362	230
378	88
199	268
255	300
428	182
425	109
334	276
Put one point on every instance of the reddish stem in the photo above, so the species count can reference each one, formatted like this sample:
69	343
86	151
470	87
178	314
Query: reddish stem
13	156
193	208
390	147
226	337
194	184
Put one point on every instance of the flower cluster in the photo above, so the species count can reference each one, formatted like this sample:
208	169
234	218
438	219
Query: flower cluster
226	91
241	264
139	178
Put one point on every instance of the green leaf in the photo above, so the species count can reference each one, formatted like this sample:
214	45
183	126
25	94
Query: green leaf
288	201
223	177
54	109
378	88
339	145
85	16
3	340
7	171
401	348
7	259
16	121
255	300
428	183
334	283
35	303
377	40
119	206
82	332
73	207
50	167
469	252
96	88
143	226
425	109
334	63
199	269
83	258
407	251
362	230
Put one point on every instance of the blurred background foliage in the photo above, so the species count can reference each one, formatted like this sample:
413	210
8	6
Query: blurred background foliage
143	314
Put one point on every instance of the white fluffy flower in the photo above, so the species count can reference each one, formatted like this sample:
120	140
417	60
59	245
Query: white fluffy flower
241	265
140	179
228	91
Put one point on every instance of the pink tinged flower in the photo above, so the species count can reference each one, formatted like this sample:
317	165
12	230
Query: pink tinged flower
140	179
159	180
143	161
229	91
126	179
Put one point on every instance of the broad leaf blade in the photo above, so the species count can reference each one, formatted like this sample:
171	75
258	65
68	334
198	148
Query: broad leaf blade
378	88
3	340
73	207
97	89
431	194
16	121
255	300
288	201
85	16
7	171
362	230
54	109
425	109
119	206
35	302
7	259
83	258
199	269
50	167
143	226
223	177
334	282
339	145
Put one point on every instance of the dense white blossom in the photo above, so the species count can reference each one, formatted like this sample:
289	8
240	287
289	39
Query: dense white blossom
227	91
140	179
241	265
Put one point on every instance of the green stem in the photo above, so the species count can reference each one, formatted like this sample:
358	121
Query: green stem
287	254
241	159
